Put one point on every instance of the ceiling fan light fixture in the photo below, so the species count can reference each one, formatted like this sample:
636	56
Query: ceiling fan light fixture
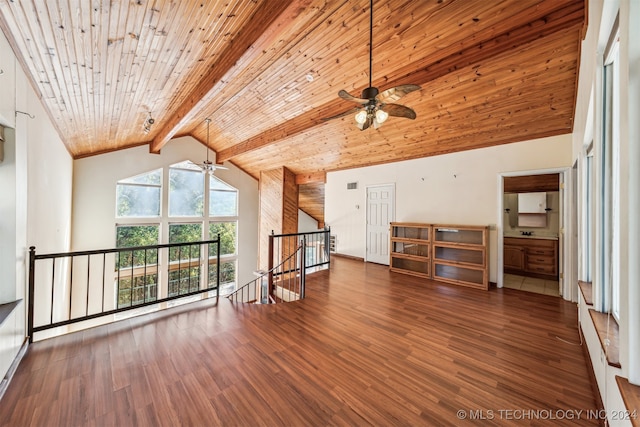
381	116
361	117
375	106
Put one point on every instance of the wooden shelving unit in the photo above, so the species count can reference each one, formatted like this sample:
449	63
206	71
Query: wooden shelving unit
448	253
411	248
461	255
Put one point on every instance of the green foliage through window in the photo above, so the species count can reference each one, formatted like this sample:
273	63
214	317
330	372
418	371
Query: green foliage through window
136	287
139	196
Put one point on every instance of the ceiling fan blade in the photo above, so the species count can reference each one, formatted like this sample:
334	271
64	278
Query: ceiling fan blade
398	110
395	93
337	116
348	97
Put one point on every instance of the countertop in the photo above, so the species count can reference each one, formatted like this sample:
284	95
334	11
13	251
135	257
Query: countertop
520	236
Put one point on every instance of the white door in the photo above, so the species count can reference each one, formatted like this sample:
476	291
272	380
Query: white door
380	212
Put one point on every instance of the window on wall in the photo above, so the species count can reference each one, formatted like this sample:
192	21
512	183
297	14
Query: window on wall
611	176
199	207
136	285
603	169
223	221
589	211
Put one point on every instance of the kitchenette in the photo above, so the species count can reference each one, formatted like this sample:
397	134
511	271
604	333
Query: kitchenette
531	225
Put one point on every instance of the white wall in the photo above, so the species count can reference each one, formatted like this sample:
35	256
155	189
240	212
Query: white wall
306	223
39	189
94	196
458	188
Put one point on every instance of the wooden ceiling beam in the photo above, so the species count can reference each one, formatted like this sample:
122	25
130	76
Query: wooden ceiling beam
480	46
263	30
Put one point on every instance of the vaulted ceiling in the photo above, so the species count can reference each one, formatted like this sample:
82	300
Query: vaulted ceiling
268	73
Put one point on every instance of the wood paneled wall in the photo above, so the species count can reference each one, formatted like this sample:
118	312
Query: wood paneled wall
278	207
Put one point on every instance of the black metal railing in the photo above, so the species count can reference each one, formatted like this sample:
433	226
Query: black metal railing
316	247
289	282
71	287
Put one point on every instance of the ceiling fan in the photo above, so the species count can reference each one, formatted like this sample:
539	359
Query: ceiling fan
376	105
208	166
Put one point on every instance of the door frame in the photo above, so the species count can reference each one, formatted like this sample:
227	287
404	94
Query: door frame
568	283
392	217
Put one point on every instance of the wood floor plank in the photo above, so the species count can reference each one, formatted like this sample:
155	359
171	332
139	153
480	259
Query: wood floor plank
365	347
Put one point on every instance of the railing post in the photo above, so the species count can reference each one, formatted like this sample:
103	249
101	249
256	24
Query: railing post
270	263
303	265
219	267
327	243
32	285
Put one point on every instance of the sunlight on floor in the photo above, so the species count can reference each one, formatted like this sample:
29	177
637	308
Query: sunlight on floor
530	284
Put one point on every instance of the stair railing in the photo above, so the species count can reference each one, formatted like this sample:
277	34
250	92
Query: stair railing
289	282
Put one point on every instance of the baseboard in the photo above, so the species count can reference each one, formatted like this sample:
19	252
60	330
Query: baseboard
592	377
355	258
4	384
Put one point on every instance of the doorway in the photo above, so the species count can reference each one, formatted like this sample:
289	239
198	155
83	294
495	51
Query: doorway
531	243
380	212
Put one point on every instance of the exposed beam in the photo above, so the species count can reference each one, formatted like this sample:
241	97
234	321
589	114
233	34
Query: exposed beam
482	45
264	28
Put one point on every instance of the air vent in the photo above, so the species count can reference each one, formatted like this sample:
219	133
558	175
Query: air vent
352	185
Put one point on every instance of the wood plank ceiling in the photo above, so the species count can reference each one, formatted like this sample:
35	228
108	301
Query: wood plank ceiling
268	72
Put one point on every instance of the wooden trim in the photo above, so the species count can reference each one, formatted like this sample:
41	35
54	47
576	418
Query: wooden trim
355	258
607	329
587	291
631	398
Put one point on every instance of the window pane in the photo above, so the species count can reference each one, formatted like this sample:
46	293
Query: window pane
228	237
149	178
139	196
227	277
144	286
137	201
186	193
136	235
184	233
186	278
223	199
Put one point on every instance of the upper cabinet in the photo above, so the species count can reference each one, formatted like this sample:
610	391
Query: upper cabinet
532	203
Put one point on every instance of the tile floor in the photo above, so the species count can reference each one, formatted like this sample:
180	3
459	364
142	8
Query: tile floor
530	284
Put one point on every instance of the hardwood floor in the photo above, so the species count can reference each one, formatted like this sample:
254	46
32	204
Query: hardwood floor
366	347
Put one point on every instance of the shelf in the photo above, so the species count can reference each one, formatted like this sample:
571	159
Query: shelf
459	275
458	255
408	265
407	247
458	235
410	230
